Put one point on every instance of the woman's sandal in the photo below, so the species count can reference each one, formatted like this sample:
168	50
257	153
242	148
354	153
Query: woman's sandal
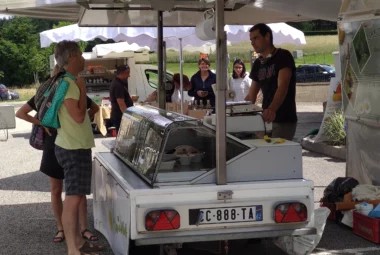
92	238
58	239
90	247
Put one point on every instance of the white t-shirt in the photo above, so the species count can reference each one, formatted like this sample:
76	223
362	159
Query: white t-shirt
241	87
176	97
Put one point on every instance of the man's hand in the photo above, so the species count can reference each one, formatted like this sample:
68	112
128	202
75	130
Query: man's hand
269	115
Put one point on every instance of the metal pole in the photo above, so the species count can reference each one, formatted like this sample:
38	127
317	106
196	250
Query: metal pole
251	58
164	65
161	97
220	106
181	72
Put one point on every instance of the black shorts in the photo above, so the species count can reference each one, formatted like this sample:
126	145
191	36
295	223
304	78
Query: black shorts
49	163
77	168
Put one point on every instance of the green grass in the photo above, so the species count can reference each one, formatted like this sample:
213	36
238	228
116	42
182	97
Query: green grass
190	69
317	50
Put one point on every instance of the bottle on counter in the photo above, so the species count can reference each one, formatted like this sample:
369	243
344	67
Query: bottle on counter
208	104
199	104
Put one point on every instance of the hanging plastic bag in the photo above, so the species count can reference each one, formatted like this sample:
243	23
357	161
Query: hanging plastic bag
304	245
339	187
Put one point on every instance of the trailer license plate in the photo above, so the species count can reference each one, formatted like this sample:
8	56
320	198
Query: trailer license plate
231	214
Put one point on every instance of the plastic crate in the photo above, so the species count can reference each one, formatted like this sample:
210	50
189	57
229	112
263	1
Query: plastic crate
367	227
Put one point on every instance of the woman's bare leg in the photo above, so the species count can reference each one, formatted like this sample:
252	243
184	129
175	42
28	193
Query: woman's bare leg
83	220
56	186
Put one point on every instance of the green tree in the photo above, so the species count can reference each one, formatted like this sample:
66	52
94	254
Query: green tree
20	55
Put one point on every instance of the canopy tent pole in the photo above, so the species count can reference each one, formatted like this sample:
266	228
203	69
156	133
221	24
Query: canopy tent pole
181	72
220	106
164	66
160	56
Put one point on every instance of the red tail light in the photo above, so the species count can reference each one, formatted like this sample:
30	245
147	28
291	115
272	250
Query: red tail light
290	212
162	220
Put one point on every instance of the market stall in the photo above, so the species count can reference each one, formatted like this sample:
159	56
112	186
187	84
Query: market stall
174	159
137	199
358	39
354	200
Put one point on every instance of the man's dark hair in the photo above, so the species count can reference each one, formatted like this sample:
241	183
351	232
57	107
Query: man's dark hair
264	29
121	69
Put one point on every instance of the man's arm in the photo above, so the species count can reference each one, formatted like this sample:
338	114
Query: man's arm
121	103
284	77
77	108
94	108
152	97
253	92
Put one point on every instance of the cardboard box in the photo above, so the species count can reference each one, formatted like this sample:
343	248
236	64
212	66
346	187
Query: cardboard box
342	206
185	108
174	107
171	107
199	114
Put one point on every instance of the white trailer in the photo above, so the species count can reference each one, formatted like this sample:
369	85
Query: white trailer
144	194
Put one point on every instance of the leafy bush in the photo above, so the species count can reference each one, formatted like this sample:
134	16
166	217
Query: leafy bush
334	129
314	33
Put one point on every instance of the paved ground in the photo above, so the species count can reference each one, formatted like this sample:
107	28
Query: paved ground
27	223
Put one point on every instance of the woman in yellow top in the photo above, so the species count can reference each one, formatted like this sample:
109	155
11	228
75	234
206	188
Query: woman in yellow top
51	167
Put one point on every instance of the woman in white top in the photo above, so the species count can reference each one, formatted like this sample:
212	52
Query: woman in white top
240	81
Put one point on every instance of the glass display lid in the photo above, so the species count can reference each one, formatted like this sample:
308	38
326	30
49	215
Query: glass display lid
167	148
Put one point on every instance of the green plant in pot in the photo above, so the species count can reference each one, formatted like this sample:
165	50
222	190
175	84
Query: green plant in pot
334	129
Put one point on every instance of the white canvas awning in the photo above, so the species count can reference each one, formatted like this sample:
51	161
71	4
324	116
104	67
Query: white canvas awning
102	50
266	11
146	36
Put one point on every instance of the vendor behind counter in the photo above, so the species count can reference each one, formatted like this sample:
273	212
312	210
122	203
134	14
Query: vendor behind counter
119	95
201	83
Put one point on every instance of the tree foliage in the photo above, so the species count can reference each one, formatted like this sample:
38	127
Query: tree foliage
20	53
315	25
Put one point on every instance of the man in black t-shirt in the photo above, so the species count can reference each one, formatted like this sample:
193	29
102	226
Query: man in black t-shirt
119	95
274	72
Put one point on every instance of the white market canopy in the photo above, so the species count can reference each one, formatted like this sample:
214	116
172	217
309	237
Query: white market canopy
237	13
102	50
147	36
